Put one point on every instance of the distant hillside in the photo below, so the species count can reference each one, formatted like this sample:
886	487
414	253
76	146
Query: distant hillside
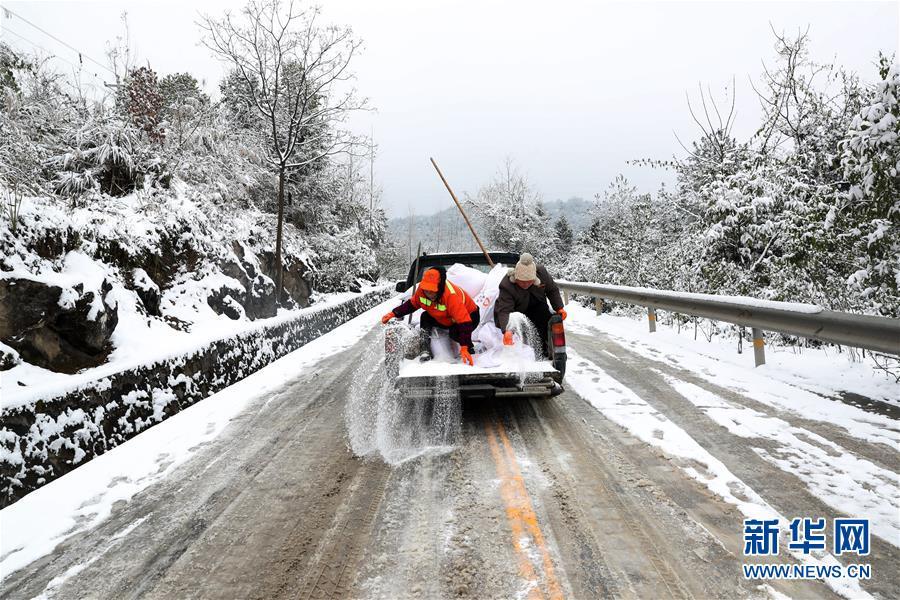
577	211
446	231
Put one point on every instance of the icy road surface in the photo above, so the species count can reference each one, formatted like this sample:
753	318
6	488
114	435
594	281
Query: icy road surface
306	481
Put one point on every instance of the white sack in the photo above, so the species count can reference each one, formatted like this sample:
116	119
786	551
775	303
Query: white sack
469	279
487	336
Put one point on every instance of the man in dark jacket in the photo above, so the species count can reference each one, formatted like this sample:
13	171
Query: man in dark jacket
526	289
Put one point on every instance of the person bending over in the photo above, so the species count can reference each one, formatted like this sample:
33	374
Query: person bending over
447	306
526	289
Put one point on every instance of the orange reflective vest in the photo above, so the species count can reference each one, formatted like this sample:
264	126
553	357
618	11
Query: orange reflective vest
455	306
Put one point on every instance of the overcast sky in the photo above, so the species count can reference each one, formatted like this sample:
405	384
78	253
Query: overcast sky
571	90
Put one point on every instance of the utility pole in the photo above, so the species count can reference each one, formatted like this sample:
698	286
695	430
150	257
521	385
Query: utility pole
350	178
372	181
411	217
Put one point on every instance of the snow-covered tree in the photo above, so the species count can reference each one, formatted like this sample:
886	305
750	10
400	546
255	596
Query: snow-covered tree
143	102
183	106
624	242
294	71
565	237
868	215
511	209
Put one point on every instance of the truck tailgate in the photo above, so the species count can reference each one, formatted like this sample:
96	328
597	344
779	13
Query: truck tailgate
421	380
411	369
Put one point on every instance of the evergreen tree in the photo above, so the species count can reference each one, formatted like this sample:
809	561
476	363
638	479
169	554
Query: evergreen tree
564	235
868	215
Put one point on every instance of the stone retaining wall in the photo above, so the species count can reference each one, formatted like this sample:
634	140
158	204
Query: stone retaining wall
45	440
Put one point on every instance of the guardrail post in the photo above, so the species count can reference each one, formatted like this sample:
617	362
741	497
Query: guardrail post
651	317
565	296
598	305
759	347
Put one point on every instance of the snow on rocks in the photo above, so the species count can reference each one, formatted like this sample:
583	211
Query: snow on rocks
79	284
147	291
63	328
47	434
9	358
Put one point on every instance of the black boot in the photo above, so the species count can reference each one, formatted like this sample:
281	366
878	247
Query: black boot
425	344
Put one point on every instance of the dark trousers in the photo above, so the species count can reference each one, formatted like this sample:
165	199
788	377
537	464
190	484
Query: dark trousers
427	323
539	313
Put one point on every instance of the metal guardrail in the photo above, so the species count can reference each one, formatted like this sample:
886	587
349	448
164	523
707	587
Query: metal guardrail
881	334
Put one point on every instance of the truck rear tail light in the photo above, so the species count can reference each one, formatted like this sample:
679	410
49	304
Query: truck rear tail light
558	335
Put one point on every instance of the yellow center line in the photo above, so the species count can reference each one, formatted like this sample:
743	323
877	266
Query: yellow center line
519	510
512	514
530	517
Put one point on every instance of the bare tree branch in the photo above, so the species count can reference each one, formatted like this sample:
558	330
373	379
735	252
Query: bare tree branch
292	70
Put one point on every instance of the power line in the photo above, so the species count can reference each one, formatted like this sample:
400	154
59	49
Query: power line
72	48
35	44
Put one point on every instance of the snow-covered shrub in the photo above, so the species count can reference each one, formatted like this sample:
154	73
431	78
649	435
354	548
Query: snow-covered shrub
511	209
868	215
142	101
104	156
334	207
342	261
32	115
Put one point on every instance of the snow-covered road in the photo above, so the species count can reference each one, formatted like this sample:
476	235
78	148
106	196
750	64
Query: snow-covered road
633	483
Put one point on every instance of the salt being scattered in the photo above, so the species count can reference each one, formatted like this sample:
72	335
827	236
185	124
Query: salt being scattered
381	421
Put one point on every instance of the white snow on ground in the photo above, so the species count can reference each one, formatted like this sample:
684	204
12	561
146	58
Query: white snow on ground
57	581
625	408
845	482
81	499
140	340
135	225
805	384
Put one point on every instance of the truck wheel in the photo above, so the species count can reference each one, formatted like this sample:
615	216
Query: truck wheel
559	363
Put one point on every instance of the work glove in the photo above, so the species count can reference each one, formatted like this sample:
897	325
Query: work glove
562	313
507	338
387	318
466	357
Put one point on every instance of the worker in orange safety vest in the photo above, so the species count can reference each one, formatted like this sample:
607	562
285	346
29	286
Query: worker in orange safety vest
446	306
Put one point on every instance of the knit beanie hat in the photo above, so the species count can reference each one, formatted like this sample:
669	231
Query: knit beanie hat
526	270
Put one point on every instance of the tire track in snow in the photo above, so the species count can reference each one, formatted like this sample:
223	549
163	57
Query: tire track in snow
848	484
627	409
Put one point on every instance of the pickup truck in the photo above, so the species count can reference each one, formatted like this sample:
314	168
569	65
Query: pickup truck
420	380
